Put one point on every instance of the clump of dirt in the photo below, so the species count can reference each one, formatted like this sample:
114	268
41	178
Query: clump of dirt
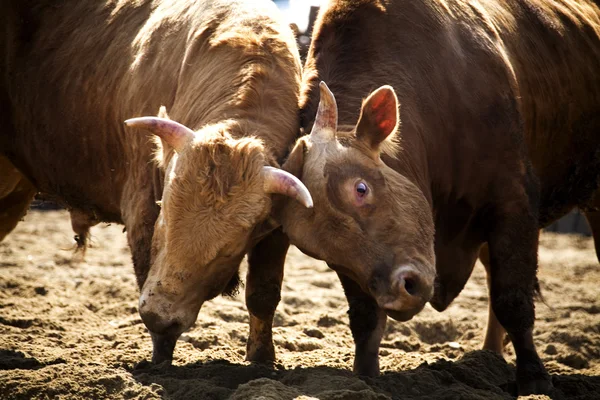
70	329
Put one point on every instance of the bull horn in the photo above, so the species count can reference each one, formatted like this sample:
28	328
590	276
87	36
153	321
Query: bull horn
174	133
325	125
282	182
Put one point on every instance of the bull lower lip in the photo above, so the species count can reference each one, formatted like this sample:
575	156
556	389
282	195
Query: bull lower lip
401	316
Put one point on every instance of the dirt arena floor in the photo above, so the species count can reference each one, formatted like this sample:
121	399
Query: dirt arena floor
70	329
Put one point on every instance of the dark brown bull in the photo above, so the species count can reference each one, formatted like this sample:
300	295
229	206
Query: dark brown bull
72	71
499	136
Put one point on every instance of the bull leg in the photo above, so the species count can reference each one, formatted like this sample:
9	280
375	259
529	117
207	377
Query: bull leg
593	217
513	245
263	292
16	193
367	324
494	335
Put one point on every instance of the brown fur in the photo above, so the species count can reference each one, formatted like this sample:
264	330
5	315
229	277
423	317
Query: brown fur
16	193
71	72
592	213
499	132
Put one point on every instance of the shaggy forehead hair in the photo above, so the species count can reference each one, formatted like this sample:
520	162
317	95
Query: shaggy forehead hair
215	194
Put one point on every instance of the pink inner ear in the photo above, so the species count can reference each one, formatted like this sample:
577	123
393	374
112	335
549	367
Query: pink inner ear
379	117
386	126
383	111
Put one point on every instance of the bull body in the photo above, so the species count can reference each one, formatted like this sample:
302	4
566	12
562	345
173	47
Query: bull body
72	71
499	135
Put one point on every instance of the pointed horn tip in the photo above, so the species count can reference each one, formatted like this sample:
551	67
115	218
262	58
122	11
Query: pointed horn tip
305	201
294	187
301	196
327	98
132	122
324	88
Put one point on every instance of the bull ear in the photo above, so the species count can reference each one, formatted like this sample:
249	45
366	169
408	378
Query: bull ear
379	117
295	161
162	113
289	177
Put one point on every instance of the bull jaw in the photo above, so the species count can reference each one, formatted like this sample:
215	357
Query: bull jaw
399	310
401	316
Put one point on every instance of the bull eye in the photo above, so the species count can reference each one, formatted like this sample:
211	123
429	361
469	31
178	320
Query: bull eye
362	189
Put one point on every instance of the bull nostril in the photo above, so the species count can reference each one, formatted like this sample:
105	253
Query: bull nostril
410	285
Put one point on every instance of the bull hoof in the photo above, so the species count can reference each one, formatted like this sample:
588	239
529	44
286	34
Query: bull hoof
539	385
368	368
264	354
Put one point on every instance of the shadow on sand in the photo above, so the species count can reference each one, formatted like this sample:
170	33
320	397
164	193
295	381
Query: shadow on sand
478	375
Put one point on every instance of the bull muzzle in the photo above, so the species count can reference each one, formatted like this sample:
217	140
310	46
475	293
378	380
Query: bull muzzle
165	325
161	315
408	291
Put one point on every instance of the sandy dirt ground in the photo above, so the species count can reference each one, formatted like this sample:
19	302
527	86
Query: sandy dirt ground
70	329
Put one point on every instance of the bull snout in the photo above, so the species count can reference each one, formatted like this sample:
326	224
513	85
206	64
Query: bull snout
409	291
164	327
160	324
155	314
167	315
160	313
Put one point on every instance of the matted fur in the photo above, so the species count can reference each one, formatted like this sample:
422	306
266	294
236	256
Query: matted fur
215	190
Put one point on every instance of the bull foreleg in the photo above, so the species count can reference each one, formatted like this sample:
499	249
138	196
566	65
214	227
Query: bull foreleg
263	292
513	243
593	217
495	333
16	194
367	323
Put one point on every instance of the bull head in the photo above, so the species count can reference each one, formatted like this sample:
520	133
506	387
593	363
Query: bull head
215	204
369	223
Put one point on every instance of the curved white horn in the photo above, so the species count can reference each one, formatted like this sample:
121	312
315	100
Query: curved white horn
282	182
325	125
174	133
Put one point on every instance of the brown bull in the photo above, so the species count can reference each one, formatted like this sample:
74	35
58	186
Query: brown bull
500	135
72	71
